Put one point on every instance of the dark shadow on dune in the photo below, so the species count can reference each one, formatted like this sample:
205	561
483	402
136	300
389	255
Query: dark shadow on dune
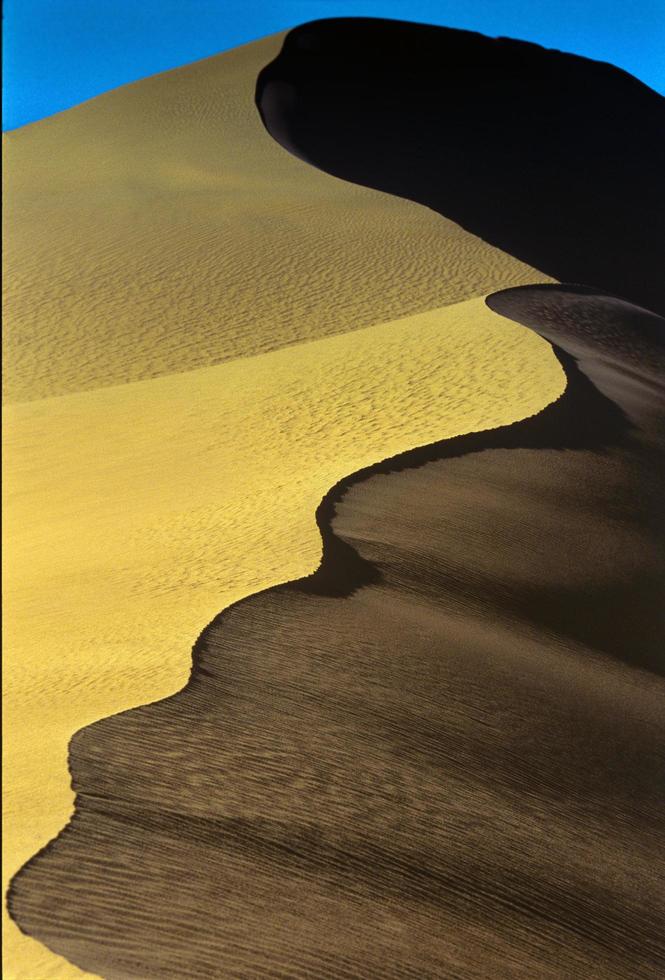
224	831
441	754
551	157
625	622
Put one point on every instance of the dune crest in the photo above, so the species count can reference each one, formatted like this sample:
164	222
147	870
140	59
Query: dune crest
553	158
408	764
152	234
158	229
182	495
433	753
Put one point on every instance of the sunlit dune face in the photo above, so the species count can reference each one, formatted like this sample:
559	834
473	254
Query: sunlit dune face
137	512
140	510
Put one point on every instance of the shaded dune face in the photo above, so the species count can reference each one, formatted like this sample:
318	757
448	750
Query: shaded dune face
553	158
442	754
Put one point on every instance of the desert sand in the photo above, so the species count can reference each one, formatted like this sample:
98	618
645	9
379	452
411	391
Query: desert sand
182	494
158	229
204	335
553	158
440	753
454	769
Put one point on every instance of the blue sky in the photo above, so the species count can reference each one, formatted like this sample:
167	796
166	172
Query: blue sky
60	52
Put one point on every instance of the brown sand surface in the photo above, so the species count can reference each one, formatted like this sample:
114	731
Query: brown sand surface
134	513
170	273
453	769
376	770
158	229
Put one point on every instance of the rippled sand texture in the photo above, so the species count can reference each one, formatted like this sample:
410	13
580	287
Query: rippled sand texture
180	495
370	770
158	228
455	769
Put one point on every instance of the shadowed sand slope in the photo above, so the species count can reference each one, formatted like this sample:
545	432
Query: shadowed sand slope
553	158
454	769
134	513
439	755
158	228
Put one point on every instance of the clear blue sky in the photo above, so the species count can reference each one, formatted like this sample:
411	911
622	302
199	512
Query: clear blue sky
60	52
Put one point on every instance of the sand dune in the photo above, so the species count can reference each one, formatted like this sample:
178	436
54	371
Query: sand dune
452	771
134	513
553	158
372	769
158	228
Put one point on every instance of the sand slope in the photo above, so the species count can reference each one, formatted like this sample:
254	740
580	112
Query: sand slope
453	770
553	158
158	228
134	513
441	754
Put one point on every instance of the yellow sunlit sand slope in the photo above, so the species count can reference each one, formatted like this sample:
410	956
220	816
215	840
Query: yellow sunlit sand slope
151	506
158	228
203	335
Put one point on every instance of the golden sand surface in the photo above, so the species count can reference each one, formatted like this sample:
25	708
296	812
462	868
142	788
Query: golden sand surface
203	335
135	513
159	228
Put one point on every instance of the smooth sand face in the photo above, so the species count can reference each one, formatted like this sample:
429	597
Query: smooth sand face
159	230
